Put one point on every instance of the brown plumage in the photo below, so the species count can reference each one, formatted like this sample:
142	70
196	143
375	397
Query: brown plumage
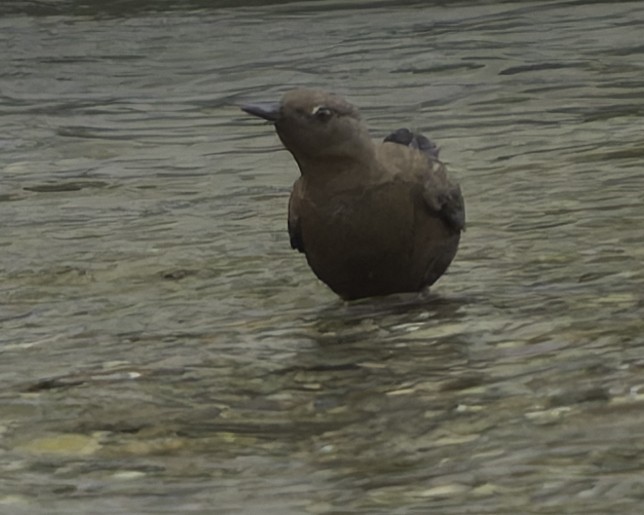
372	218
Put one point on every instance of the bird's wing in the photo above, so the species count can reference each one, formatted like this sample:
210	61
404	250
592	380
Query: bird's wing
294	227
441	195
444	196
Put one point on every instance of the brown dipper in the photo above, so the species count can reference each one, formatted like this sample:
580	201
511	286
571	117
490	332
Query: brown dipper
372	218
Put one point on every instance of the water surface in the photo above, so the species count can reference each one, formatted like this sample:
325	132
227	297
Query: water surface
164	351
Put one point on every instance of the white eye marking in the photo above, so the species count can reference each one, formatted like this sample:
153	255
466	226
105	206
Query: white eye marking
321	112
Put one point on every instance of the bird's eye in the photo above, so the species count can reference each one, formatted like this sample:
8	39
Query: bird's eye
322	112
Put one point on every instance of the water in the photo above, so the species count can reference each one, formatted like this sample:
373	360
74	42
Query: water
164	351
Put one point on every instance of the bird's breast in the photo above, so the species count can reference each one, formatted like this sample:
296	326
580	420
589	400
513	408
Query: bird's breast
359	236
379	217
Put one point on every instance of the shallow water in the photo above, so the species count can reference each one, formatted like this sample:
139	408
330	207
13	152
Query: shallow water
164	351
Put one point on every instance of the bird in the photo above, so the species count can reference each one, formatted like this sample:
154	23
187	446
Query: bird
373	218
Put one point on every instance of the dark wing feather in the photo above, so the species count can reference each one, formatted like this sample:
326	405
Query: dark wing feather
452	207
441	195
295	235
294	227
444	197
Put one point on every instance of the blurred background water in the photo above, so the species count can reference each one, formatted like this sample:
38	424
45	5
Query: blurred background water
162	350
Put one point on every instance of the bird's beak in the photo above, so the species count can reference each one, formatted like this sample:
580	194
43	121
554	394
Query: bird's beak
268	111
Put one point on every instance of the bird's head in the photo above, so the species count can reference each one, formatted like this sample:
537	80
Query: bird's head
313	124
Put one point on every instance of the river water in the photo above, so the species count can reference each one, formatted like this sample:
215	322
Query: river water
163	350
